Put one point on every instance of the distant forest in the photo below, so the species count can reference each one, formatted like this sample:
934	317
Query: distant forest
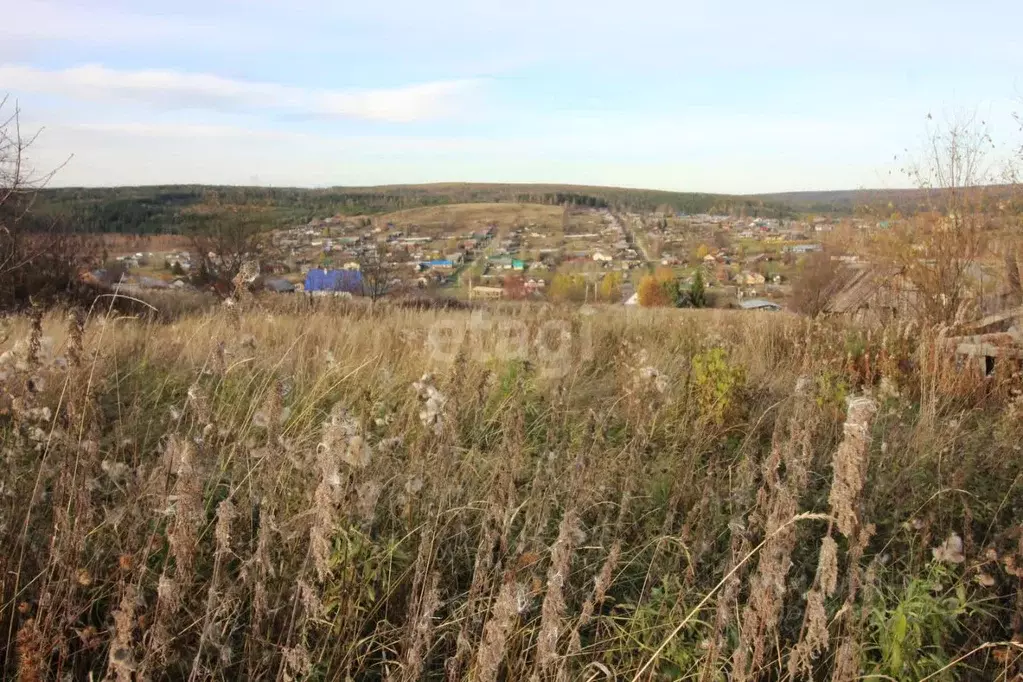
875	201
185	208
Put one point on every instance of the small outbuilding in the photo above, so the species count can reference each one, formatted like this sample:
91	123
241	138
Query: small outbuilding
279	286
759	304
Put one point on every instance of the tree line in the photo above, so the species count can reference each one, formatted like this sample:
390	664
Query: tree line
180	209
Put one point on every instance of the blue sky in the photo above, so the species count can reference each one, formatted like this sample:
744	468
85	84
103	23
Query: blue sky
703	96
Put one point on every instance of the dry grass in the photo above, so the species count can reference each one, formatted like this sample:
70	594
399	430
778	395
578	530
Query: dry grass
476	216
122	244
280	492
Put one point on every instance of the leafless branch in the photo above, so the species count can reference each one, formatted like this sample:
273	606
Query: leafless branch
377	275
39	255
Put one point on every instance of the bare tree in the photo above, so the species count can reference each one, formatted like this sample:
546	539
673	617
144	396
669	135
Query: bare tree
818	279
379	275
954	164
1012	273
222	249
937	250
40	256
17	188
225	238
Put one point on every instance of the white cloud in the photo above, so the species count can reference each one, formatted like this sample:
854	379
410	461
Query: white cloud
85	137
182	90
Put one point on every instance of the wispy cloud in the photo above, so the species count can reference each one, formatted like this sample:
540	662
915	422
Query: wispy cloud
177	89
188	131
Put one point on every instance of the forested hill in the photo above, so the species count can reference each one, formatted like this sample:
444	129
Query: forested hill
169	209
907	201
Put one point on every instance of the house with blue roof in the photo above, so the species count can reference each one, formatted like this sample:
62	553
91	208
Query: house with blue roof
437	264
323	281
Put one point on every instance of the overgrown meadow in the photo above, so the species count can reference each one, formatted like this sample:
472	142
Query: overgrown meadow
362	493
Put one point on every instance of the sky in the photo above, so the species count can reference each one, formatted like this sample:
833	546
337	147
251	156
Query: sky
718	96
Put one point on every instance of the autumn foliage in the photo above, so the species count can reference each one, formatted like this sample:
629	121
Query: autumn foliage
655	290
514	287
652	293
566	287
610	288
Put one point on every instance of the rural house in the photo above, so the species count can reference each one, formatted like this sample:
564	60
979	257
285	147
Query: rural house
437	264
750	278
323	281
483	292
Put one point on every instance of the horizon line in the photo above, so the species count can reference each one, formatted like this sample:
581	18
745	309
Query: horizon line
448	183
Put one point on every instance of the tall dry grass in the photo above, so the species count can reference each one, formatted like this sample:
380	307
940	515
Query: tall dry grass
346	492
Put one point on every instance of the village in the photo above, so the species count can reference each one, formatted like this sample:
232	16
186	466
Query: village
522	251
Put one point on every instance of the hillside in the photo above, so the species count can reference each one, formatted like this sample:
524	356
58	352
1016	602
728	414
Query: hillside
169	209
468	216
906	200
181	208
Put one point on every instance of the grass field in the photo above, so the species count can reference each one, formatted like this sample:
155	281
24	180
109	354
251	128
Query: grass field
119	244
468	217
350	492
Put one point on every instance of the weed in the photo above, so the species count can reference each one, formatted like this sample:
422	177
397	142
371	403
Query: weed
310	493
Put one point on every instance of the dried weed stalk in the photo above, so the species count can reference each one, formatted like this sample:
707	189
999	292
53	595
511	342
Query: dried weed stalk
553	611
785	473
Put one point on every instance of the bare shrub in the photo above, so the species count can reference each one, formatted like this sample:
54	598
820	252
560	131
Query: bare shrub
379	275
41	257
819	277
936	250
